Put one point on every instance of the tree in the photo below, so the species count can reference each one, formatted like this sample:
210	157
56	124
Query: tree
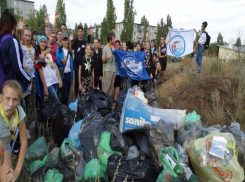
32	20
85	33
238	45
145	23
3	4
128	21
75	31
104	31
60	7
158	37
220	40
97	32
40	24
168	24
212	50
111	15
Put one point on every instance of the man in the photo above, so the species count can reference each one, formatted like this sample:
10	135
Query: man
108	60
79	50
117	83
65	64
200	45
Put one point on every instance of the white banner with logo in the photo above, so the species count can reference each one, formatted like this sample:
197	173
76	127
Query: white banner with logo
181	42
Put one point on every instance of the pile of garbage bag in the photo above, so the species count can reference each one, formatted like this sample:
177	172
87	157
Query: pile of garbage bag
137	141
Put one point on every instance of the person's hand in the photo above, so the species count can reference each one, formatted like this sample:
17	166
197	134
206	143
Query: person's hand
194	50
64	60
195	30
71	38
21	25
1	153
109	56
46	19
12	176
100	78
89	31
80	87
137	33
45	91
42	56
57	15
60	84
151	75
147	34
113	30
168	28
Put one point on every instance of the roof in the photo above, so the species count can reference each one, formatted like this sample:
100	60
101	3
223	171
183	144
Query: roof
235	48
27	1
119	23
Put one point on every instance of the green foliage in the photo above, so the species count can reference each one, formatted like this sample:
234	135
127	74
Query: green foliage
3	4
158	37
32	20
75	31
111	15
238	42
128	21
145	22
85	33
104	31
220	40
162	29
40	22
60	7
97	32
168	24
212	50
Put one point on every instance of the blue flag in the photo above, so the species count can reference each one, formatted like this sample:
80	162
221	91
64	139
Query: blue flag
131	65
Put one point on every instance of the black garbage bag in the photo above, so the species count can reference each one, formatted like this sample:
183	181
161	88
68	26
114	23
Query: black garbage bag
38	175
240	142
120	100
154	104
92	128
141	141
160	135
84	108
63	124
139	169
119	142
49	111
151	95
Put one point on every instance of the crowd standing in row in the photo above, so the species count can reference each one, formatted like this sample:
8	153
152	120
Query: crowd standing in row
43	65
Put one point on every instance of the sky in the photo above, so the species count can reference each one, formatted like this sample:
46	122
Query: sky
225	16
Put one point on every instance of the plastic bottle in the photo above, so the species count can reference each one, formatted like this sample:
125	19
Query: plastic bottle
178	169
189	175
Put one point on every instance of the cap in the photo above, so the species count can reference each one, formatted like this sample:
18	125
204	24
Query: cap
64	35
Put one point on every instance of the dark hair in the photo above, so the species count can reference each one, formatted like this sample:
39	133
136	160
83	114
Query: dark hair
7	22
129	45
109	36
205	24
137	44
96	39
80	28
38	52
118	41
35	32
153	41
99	41
63	24
162	36
147	42
59	31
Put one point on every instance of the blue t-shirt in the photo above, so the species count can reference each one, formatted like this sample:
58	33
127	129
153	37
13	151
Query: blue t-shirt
5	135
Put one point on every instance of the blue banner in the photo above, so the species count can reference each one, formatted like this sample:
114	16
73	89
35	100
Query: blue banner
131	65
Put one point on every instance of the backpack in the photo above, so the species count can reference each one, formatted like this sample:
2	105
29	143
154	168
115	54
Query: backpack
208	38
3	77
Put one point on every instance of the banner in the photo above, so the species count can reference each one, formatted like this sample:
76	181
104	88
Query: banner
131	65
181	42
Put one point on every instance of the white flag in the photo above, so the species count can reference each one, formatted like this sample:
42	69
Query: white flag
181	42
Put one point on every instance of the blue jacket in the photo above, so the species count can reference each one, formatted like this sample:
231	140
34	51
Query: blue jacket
12	60
59	56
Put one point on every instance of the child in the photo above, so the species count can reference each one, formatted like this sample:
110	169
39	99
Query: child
47	69
97	66
200	45
11	116
157	73
65	64
85	71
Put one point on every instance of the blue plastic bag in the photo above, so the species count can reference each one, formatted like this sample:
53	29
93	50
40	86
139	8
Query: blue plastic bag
74	135
73	105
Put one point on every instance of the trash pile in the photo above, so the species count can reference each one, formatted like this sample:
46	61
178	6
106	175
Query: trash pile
137	141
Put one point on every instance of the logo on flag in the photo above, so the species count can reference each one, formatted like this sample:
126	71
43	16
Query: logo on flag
177	45
132	65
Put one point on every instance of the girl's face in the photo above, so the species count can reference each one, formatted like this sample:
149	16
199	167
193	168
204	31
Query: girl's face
33	40
42	44
147	45
88	51
27	37
162	40
138	47
152	44
9	99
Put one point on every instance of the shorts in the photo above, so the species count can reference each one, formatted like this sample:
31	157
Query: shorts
117	82
163	63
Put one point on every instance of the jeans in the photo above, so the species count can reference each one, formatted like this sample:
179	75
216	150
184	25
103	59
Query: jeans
53	89
200	50
65	90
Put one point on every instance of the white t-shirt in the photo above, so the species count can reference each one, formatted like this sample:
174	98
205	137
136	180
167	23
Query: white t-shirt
68	63
202	38
49	73
28	60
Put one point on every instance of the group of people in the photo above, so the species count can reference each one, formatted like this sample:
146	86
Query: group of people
34	65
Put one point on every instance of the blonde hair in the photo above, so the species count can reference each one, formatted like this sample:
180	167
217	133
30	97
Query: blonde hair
14	85
91	47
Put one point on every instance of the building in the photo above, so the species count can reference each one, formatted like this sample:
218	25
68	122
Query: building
230	52
23	7
137	27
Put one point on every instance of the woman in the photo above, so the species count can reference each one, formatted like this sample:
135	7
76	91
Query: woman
47	69
11	53
97	66
137	47
12	116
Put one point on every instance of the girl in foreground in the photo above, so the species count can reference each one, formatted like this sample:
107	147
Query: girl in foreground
11	116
